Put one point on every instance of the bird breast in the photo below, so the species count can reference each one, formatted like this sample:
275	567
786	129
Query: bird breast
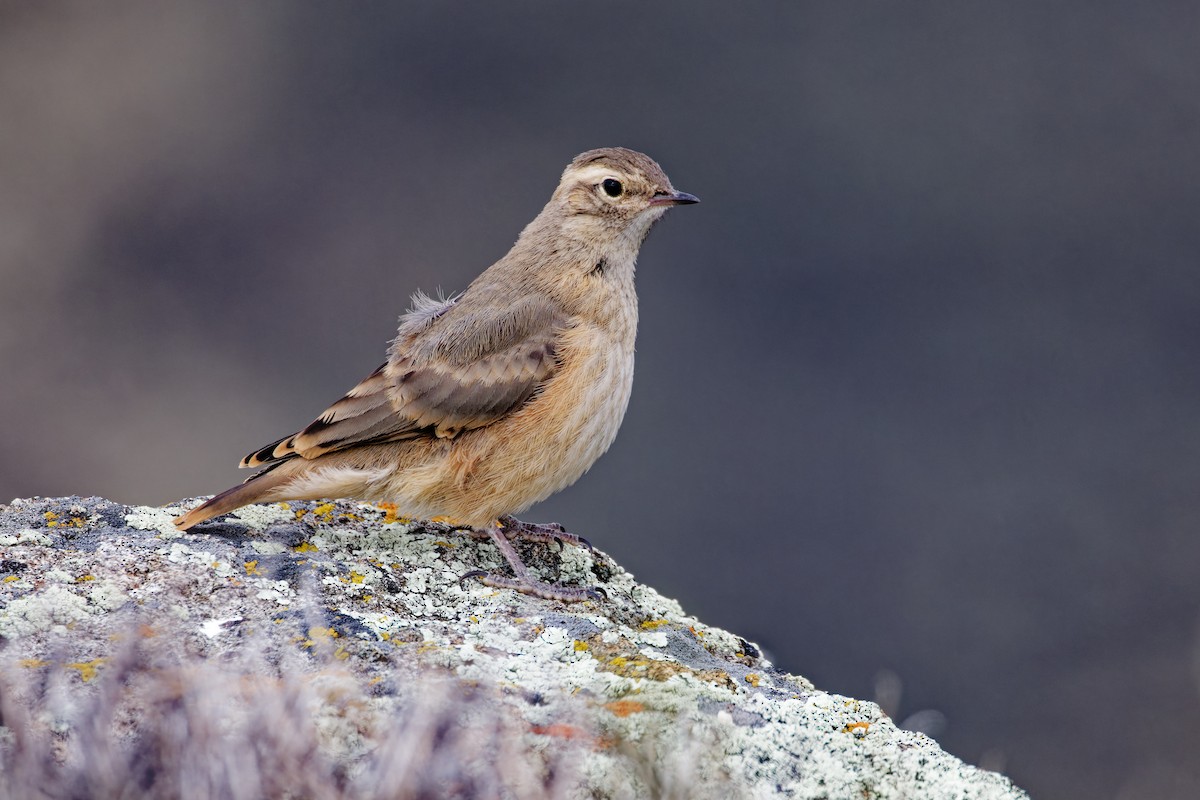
554	438
576	417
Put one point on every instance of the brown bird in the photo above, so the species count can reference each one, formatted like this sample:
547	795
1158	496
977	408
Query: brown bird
497	398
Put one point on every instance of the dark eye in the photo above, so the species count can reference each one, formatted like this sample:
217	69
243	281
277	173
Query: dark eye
612	187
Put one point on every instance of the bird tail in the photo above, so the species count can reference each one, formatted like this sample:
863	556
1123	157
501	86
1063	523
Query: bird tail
257	489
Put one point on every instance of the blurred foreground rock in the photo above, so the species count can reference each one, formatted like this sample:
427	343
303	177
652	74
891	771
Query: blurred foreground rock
330	651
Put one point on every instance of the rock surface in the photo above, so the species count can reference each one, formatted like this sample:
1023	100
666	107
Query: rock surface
342	638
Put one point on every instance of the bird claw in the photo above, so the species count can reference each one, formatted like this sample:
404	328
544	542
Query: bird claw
473	573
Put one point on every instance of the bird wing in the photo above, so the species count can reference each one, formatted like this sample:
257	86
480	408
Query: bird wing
364	415
452	367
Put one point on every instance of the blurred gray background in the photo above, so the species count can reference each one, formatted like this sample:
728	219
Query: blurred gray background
918	392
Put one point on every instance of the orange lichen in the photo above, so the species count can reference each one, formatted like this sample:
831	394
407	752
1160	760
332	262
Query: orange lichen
391	513
623	708
859	729
561	730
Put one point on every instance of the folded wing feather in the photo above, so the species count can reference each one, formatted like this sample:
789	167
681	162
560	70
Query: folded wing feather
455	365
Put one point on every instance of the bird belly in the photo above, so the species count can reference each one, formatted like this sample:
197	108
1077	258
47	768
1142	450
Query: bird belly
537	450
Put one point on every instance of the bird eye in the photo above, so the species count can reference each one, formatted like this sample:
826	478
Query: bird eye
612	187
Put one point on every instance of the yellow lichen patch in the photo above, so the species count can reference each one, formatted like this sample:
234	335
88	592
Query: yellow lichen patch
323	637
11	578
651	624
859	729
328	513
356	577
443	543
581	646
319	635
366	598
85	578
306	547
56	520
251	568
622	658
32	663
753	678
623	708
87	669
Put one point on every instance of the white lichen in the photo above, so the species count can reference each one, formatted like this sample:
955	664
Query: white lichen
55	606
147	518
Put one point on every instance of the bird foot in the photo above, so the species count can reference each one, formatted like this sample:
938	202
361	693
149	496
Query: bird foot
523	581
549	532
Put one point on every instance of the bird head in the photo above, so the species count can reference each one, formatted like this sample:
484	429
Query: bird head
617	189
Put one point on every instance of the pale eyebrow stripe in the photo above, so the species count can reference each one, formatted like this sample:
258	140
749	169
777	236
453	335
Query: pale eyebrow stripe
595	173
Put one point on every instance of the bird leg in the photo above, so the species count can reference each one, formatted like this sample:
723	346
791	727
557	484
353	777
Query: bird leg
523	581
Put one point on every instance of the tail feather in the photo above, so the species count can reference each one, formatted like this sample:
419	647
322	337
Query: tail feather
258	488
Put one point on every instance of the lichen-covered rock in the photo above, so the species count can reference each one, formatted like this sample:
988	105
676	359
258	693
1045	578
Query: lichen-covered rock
338	654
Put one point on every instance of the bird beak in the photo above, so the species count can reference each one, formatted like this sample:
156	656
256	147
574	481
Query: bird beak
674	199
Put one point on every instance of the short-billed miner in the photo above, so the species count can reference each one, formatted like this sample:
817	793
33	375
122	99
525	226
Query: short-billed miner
497	398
